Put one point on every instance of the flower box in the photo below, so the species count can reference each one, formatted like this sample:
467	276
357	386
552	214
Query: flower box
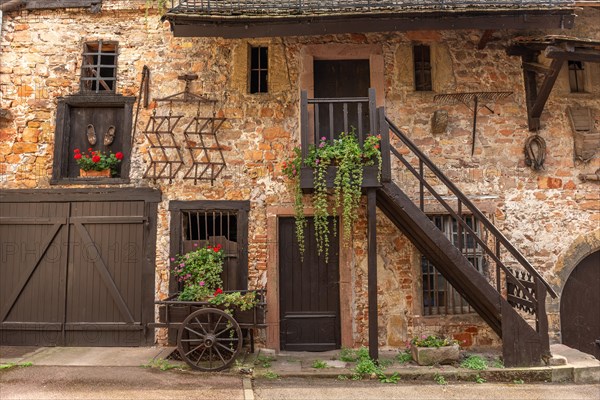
370	177
105	173
179	312
435	355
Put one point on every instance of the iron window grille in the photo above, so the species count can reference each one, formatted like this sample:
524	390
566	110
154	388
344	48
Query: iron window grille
99	67
576	76
422	67
259	69
439	297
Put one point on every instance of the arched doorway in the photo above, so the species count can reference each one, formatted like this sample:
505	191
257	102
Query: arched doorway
579	311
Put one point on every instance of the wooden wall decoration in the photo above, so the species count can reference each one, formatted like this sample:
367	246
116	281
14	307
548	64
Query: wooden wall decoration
164	152
206	152
586	138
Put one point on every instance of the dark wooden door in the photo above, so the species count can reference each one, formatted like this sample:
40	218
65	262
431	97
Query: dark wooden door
75	274
342	78
579	307
309	292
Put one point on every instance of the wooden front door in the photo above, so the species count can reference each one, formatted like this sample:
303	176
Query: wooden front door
309	292
579	314
342	78
75	274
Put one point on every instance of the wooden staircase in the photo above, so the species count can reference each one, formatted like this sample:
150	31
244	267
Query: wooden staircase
512	301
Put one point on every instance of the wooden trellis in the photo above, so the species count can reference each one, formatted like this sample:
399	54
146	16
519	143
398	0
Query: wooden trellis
205	150
164	152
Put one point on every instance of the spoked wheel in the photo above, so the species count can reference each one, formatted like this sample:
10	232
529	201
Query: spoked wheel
209	340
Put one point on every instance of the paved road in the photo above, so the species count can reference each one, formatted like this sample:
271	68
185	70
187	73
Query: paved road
39	383
295	388
44	382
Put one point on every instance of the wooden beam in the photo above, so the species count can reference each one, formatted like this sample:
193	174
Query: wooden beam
587	55
545	89
372	272
530	82
536	67
485	39
54	4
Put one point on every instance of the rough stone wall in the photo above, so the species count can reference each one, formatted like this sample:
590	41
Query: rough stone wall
543	213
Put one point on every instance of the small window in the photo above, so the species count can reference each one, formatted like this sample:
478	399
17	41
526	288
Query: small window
259	67
99	67
439	297
576	78
422	60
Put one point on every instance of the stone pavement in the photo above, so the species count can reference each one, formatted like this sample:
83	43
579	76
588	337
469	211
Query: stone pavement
575	366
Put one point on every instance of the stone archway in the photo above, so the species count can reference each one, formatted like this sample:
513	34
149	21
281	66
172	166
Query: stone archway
581	248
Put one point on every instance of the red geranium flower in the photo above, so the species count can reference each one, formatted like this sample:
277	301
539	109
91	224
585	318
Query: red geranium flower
77	156
77	151
217	248
89	149
96	159
119	155
218	291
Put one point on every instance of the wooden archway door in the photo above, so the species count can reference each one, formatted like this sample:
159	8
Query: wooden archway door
579	313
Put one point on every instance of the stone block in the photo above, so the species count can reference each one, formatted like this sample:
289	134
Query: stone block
435	355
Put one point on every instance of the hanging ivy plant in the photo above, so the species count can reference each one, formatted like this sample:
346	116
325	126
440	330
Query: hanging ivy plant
291	169
347	155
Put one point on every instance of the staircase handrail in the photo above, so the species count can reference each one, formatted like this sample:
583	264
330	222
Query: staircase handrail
474	210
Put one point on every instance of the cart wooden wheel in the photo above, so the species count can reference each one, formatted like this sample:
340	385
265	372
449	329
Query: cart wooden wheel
209	339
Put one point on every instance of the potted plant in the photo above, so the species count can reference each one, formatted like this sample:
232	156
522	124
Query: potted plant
200	273
431	350
97	163
349	158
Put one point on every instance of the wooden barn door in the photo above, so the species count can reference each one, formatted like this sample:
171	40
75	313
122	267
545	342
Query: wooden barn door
309	292
76	273
104	285
579	313
33	264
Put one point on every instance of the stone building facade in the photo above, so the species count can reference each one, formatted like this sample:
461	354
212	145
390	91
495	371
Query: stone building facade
552	216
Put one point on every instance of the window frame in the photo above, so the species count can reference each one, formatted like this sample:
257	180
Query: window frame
450	297
576	72
258	69
242	209
420	67
95	49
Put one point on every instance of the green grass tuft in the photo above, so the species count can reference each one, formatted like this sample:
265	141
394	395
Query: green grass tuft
474	362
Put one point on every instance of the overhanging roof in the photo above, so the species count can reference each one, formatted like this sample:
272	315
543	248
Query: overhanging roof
259	18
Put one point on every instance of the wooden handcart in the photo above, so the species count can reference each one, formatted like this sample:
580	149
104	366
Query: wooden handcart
210	338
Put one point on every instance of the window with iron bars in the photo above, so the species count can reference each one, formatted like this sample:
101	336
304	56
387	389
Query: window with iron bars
259	69
422	67
439	297
576	76
99	67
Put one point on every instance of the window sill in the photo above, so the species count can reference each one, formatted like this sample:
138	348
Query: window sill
89	181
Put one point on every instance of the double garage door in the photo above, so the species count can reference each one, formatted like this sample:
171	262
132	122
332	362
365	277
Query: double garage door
77	273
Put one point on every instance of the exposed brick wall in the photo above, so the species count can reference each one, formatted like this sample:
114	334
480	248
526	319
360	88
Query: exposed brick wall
541	212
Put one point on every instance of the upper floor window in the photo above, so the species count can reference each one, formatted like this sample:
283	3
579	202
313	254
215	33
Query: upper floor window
439	297
576	76
99	67
259	69
422	67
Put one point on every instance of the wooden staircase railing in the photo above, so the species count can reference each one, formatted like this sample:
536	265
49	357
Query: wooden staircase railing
525	289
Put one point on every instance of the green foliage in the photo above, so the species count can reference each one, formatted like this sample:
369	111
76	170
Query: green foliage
291	169
243	301
384	363
366	366
394	378
200	271
474	362
497	363
342	377
432	341
479	379
348	355
162	364
319	364
350	158
264	361
97	160
271	375
440	380
518	381
404	357
15	365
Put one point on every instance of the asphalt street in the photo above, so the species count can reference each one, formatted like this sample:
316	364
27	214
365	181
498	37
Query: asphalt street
50	382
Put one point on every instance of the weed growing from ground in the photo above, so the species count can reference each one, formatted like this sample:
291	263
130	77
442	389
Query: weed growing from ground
342	378
404	357
479	379
497	363
14	365
440	380
163	365
264	361
518	381
394	378
319	364
474	362
271	375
